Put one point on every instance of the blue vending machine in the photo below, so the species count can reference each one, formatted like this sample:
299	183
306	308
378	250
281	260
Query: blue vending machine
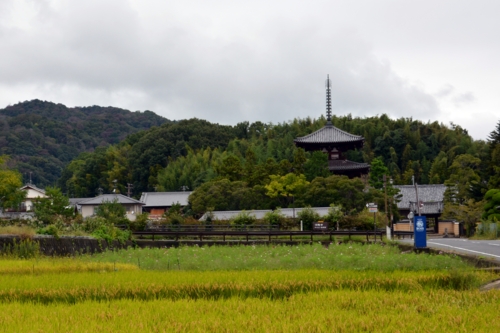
420	231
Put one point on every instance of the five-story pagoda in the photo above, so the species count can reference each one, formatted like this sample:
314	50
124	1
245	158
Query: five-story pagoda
334	142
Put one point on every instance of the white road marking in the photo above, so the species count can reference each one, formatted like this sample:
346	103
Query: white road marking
459	248
493	244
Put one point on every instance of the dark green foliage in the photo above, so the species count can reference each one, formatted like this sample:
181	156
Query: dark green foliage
43	137
308	217
226	195
275	218
377	172
243	219
113	212
51	230
140	222
492	205
53	208
316	165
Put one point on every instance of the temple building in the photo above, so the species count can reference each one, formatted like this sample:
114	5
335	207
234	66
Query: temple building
334	142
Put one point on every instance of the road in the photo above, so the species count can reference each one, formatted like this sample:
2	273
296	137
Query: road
481	248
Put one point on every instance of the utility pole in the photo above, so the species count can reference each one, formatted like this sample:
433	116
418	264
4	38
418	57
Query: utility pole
129	189
418	202
385	198
387	227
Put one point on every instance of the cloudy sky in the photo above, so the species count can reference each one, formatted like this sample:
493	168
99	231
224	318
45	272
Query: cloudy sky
229	61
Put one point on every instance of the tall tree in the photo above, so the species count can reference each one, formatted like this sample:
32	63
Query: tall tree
10	182
286	187
462	176
377	172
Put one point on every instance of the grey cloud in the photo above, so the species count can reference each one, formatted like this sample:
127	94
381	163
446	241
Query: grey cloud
463	99
270	68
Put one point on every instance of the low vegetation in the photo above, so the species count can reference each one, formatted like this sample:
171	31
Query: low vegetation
308	288
353	256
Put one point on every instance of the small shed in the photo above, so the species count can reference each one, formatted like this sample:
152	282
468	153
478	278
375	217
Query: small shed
157	203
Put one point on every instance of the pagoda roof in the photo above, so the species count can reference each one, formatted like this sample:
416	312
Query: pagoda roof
346	165
329	134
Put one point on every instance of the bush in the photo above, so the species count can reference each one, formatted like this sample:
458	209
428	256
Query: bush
275	218
243	219
111	233
51	230
113	211
90	224
140	223
308	216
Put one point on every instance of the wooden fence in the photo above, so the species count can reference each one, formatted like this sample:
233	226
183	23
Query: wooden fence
203	235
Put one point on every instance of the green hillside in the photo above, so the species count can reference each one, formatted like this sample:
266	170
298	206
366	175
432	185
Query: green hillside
43	137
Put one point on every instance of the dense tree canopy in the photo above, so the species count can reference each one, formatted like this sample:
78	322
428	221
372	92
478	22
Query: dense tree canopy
10	182
43	137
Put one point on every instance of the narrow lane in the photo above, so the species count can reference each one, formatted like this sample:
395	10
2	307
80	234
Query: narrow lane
485	248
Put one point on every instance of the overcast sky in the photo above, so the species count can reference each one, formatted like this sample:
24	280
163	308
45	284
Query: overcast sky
228	61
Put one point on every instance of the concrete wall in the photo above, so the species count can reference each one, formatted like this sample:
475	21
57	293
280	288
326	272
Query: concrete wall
451	227
403	227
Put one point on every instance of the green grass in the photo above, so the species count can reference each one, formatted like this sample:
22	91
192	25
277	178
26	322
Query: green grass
353	256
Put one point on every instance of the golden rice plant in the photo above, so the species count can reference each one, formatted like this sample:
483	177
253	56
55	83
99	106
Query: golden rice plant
329	311
58	265
146	285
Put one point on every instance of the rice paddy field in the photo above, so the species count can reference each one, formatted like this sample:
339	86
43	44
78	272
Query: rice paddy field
343	288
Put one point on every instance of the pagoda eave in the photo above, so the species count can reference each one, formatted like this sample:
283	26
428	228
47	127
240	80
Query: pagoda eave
329	145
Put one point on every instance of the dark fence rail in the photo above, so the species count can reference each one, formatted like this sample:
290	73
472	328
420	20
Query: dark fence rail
261	234
210	228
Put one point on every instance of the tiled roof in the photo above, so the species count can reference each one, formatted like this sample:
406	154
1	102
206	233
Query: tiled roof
329	134
259	214
120	198
338	165
76	201
429	194
165	199
33	187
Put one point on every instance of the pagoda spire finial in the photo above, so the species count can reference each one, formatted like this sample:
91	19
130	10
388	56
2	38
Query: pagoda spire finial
328	85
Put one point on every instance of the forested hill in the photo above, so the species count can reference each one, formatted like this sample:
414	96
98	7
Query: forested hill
193	152
43	137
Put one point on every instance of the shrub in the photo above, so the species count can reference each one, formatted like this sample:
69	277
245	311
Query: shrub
113	211
110	233
275	218
140	223
308	216
51	230
90	224
243	219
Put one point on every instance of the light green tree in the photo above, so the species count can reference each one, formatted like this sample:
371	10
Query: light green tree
55	206
285	187
10	182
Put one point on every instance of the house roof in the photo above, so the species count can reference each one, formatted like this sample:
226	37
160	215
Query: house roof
340	165
33	187
76	201
429	194
120	198
165	199
259	214
329	134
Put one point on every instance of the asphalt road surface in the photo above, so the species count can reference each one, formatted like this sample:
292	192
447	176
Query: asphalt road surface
479	248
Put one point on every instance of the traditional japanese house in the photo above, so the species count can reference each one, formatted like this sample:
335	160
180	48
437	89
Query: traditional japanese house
335	142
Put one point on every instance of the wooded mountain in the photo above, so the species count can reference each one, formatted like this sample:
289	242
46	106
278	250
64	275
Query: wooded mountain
43	137
193	152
